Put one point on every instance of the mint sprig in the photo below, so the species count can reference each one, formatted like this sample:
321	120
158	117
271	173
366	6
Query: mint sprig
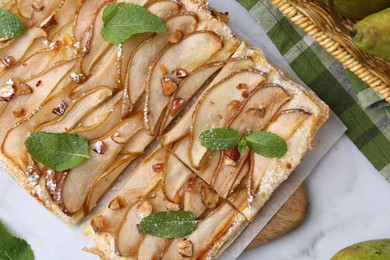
10	25
264	143
123	20
58	151
169	224
219	138
12	247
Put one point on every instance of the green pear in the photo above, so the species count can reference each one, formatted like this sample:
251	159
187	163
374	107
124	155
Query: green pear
372	34
358	9
368	250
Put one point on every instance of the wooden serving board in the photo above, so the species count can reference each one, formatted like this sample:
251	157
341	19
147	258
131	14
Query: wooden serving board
288	218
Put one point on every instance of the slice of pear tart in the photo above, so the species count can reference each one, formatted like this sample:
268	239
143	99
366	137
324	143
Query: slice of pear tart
80	101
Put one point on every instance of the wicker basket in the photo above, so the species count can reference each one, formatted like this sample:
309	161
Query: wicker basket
316	21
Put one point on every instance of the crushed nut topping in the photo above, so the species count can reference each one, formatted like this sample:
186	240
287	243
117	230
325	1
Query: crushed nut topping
158	167
8	61
169	86
229	162
144	209
185	248
48	22
175	37
99	147
39	83
176	106
19	112
180	73
233	105
6	92
78	78
116	203
172	206
209	198
60	109
97	223
232	153
242	86
37	5
245	94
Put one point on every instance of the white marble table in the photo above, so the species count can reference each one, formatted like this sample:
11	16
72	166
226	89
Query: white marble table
349	203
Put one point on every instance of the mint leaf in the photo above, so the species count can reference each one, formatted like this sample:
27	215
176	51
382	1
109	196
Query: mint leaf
10	25
169	224
242	145
58	151
123	20
219	138
13	248
266	144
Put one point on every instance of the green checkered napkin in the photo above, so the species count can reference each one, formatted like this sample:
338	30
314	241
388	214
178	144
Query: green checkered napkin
355	103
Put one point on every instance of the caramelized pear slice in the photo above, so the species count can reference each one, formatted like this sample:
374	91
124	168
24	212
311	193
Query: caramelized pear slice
195	50
100	128
175	175
135	187
212	110
37	11
34	101
102	184
80	179
146	53
85	17
19	46
77	110
128	237
66	15
164	9
137	143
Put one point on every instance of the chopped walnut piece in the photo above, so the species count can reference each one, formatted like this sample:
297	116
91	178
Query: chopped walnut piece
233	105
158	167
116	203
209	198
48	22
242	86
37	5
39	83
169	86
19	112
185	248
78	78
172	206
60	109
98	147
21	88
6	92
229	162
97	224
232	153
177	104
175	37
144	209
8	61
180	73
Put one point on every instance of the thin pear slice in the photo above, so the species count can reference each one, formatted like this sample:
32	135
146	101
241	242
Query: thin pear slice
195	49
214	107
85	17
137	143
67	14
175	175
135	187
103	183
96	45
80	179
77	110
101	112
20	45
217	226
99	129
34	101
164	9
35	16
151	247
128	238
146	53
